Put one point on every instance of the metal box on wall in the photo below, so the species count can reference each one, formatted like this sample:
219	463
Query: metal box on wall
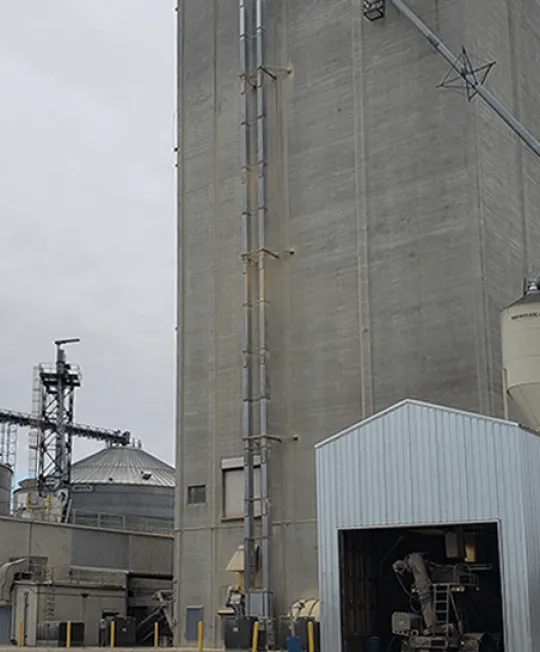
238	633
124	631
54	633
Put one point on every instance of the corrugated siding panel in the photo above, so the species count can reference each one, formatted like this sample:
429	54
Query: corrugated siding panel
421	464
531	506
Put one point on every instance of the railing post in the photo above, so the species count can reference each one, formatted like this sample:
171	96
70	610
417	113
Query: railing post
200	635
156	634
255	638
311	637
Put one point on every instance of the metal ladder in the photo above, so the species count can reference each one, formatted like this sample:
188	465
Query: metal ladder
441	603
50	595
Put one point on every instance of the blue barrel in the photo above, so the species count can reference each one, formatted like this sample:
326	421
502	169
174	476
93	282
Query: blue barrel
373	644
293	644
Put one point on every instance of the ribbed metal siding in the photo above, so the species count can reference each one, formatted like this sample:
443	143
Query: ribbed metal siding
421	464
151	503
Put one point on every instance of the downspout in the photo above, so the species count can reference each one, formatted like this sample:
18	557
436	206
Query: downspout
262	194
179	495
247	421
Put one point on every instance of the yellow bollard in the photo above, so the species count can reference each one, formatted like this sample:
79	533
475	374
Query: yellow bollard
311	637
255	638
20	633
200	635
68	633
156	635
113	633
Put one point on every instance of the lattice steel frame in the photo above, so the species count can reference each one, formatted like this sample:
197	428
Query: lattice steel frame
54	449
8	444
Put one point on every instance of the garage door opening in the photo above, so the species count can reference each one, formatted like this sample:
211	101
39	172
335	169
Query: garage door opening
421	588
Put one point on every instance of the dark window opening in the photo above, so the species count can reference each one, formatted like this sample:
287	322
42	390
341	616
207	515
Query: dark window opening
196	494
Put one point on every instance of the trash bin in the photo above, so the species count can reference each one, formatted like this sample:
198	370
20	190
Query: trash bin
373	644
293	644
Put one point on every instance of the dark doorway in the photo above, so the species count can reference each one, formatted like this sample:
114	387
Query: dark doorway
371	591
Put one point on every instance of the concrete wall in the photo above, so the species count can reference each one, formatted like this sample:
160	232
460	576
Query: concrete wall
69	605
67	544
413	216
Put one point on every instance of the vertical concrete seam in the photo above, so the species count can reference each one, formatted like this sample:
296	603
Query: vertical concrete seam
362	244
482	344
281	198
213	407
289	573
519	147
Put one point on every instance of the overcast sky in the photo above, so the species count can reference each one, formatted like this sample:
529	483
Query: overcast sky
87	208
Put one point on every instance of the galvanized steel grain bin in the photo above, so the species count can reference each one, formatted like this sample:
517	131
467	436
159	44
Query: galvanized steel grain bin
416	466
123	487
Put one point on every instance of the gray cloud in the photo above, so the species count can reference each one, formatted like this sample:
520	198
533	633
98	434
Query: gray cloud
87	240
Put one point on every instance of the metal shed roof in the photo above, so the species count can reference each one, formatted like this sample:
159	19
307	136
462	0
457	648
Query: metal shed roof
421	464
123	465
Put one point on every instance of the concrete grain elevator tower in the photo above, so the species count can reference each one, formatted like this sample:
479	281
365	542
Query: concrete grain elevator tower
348	235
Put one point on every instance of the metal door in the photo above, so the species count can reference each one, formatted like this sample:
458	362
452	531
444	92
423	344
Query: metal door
5	625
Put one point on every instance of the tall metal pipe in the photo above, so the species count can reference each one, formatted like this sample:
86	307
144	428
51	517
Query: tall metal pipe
60	451
468	77
247	420
179	490
262	194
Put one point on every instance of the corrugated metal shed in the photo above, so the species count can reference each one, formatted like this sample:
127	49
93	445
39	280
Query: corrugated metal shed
420	464
123	465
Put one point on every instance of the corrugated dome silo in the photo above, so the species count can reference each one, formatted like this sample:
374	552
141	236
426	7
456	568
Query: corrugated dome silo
123	487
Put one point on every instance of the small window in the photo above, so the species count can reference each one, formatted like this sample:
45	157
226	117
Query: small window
196	494
233	488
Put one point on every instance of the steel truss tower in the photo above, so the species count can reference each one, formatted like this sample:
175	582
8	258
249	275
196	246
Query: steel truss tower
8	444
58	384
52	426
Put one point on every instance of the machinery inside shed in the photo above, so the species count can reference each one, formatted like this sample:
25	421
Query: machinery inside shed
421	588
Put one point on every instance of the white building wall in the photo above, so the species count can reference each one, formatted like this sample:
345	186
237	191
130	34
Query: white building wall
531	510
420	464
68	605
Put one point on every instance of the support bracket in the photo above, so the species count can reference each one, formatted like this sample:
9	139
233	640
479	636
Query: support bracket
374	9
469	76
268	252
253	256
